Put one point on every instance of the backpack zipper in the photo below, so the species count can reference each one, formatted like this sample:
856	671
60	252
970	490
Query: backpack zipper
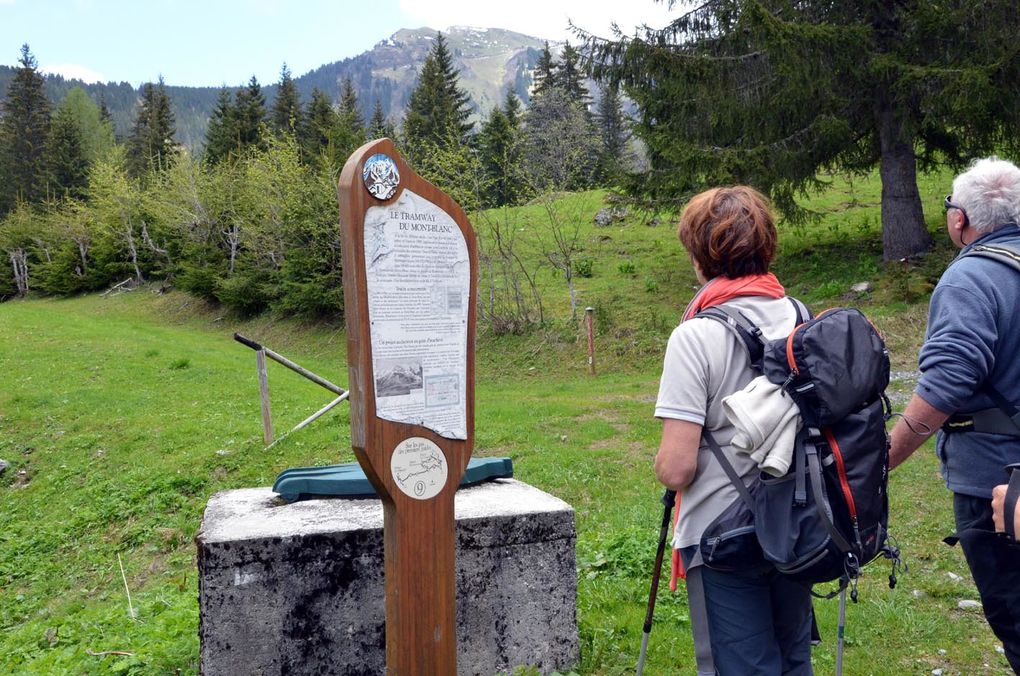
791	361
843	481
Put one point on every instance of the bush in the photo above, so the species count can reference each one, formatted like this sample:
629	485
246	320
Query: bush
244	294
583	267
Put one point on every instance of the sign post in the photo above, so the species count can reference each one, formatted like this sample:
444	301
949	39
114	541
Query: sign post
410	270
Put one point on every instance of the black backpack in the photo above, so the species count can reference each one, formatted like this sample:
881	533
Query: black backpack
828	515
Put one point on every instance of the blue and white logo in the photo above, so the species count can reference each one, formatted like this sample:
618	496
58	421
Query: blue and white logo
381	176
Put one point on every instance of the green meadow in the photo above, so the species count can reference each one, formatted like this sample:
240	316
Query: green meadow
121	415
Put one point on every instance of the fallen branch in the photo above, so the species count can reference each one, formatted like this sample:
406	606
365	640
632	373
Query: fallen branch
104	653
115	287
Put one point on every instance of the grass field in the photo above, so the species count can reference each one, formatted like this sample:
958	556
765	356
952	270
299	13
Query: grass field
120	416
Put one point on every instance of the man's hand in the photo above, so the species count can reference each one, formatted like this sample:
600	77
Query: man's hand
998	506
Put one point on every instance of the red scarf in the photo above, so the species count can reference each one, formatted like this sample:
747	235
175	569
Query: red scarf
717	291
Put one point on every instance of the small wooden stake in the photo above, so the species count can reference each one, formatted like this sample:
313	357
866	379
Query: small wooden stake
589	313
267	418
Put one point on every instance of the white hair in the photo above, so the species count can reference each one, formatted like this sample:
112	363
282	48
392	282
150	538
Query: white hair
989	192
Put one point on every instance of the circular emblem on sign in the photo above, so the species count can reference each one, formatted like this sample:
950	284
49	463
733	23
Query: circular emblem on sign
381	176
419	468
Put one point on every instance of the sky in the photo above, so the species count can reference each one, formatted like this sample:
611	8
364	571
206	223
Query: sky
224	42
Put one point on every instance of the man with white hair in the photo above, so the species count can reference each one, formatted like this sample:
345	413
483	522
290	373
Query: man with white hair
969	388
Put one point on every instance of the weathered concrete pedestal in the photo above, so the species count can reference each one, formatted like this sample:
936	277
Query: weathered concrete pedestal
298	588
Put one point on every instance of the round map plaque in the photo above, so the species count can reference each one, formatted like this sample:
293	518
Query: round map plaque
419	468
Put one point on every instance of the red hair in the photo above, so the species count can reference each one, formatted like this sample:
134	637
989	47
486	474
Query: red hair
729	232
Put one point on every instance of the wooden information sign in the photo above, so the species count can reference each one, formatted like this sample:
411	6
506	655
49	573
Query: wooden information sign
410	270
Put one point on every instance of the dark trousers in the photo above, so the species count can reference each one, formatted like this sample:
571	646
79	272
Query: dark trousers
759	623
995	566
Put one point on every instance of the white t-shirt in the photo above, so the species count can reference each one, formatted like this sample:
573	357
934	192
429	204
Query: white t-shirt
704	362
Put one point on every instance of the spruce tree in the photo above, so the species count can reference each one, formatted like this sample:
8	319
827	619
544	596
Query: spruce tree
349	111
501	149
379	126
543	77
570	78
221	134
438	111
769	92
66	155
251	116
151	145
613	129
319	125
24	130
349	132
286	115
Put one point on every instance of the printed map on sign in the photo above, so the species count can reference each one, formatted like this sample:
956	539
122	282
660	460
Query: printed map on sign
419	278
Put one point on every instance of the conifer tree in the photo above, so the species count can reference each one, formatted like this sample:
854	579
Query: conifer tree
251	116
349	132
221	134
349	111
570	78
544	76
151	145
769	92
286	116
438	110
66	155
104	110
319	125
613	129
24	130
501	146
379	126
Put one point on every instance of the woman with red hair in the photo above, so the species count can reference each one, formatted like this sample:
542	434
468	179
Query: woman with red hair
758	622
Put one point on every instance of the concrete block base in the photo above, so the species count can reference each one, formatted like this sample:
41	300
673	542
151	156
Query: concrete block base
298	588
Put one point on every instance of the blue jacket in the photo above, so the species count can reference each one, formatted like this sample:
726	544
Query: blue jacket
974	337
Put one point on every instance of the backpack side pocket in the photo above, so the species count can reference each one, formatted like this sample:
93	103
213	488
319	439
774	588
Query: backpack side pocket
729	543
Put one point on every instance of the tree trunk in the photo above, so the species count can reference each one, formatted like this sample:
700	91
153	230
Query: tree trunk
19	262
903	230
130	240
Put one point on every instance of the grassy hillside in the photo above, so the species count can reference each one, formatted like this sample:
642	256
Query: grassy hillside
120	416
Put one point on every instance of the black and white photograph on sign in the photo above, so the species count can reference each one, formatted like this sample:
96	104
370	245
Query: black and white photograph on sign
418	275
397	377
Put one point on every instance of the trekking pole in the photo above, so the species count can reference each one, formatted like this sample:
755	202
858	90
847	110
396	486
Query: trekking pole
842	626
668	499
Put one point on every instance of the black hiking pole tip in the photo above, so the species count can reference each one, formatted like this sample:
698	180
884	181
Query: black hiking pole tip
668	500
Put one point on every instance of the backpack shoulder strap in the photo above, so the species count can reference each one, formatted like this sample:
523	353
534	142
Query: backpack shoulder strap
803	313
746	331
1000	252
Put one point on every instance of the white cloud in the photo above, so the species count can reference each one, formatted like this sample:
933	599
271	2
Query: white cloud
73	71
6	3
539	18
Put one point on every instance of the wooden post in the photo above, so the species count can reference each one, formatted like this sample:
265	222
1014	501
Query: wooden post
267	418
410	270
589	313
